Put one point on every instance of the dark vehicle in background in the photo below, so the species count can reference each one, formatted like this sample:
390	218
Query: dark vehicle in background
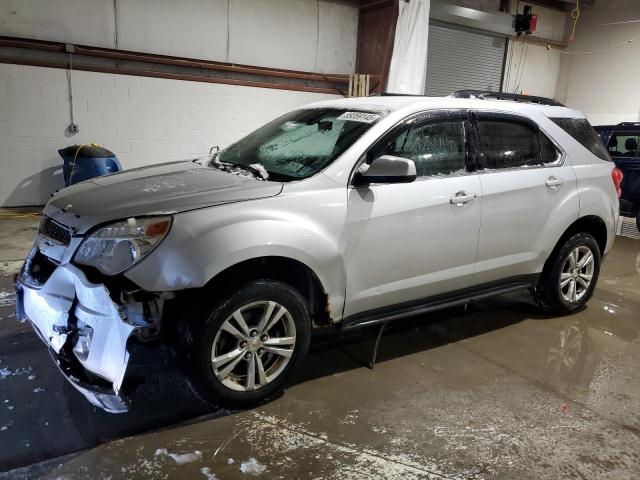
622	141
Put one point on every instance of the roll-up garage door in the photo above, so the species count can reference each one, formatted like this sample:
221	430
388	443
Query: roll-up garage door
460	59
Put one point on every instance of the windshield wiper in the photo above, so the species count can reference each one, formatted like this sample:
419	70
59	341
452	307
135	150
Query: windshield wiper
259	173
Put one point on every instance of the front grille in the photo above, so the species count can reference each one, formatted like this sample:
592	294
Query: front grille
55	231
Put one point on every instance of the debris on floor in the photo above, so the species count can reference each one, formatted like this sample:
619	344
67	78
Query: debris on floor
209	475
181	458
252	467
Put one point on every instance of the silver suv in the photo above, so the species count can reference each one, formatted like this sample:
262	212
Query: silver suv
343	214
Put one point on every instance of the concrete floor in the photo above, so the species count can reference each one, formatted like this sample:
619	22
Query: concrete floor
497	391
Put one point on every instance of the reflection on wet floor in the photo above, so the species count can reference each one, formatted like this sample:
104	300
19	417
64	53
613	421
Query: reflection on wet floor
498	390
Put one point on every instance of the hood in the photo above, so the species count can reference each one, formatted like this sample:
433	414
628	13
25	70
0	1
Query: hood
166	188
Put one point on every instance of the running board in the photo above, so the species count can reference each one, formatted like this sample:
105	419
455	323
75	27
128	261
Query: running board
441	302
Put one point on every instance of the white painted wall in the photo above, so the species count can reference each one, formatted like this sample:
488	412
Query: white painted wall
534	69
316	35
191	28
142	120
74	21
256	24
338	37
604	85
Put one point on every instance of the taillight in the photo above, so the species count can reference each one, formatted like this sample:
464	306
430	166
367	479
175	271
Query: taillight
616	176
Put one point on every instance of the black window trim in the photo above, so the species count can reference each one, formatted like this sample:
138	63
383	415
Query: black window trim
521	119
444	114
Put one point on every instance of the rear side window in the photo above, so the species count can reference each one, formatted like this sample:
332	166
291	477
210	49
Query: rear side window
507	143
581	130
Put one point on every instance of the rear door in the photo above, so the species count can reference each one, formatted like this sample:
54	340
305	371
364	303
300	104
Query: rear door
529	196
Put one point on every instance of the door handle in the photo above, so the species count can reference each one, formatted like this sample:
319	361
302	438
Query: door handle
463	197
554	182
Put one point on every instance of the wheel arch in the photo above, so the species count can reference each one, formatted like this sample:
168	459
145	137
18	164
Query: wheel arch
546	292
591	224
288	270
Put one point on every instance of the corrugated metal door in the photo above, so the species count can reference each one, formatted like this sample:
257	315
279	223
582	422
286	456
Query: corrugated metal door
460	59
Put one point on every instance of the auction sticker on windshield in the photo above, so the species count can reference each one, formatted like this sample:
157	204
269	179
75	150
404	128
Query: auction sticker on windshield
359	117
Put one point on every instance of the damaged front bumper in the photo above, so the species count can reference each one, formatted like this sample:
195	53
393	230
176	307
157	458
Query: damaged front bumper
85	330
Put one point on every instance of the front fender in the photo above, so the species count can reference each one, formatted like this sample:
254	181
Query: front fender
204	243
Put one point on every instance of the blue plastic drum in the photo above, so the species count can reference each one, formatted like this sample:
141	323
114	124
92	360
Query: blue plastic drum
82	162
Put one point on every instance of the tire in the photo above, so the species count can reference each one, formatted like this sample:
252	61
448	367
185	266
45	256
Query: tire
638	222
561	289
274	353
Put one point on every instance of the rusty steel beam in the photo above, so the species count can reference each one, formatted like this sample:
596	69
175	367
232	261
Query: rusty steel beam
171	76
337	82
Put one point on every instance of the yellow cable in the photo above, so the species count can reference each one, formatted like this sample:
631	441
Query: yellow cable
73	167
11	214
575	14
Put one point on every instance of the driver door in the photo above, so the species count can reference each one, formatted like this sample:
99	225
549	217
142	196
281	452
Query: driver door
410	241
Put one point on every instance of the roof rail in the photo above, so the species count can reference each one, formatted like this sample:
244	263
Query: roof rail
514	97
391	94
629	124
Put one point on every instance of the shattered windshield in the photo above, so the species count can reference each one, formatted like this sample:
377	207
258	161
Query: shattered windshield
298	144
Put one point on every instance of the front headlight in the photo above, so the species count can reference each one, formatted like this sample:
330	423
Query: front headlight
114	248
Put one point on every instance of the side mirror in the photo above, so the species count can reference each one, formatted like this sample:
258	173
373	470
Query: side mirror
386	169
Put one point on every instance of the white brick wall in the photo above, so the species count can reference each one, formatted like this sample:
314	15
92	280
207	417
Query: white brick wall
142	120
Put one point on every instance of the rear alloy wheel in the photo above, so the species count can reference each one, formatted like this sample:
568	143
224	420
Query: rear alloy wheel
250	344
577	274
570	275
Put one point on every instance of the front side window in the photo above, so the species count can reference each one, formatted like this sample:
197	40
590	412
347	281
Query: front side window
300	143
582	131
624	144
437	147
507	143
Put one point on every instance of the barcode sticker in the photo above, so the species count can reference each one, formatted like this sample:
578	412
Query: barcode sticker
359	117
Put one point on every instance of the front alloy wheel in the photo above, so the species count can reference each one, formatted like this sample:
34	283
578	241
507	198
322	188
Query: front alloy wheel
253	346
248	345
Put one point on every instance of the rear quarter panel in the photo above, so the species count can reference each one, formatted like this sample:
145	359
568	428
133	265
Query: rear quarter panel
595	186
598	194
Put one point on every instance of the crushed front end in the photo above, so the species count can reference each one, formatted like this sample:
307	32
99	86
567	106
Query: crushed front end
85	324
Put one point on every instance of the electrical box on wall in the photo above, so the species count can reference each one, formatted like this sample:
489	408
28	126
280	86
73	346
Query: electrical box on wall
526	22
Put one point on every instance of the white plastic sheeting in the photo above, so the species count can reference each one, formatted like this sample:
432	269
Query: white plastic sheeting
409	59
